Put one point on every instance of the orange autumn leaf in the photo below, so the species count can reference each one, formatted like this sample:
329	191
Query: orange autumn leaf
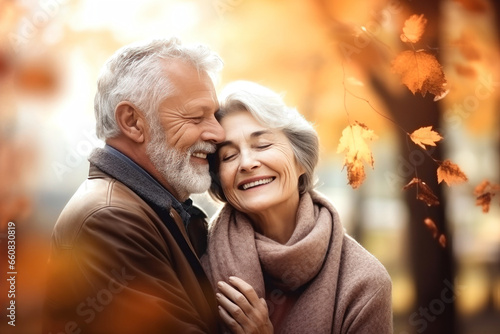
429	223
450	173
481	187
485	192
425	136
424	192
414	28
421	72
442	240
485	186
354	142
355	173
484	200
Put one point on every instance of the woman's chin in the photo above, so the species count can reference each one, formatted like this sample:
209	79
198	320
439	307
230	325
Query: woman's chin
254	206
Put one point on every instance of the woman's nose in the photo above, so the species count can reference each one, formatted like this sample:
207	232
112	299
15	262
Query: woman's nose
248	161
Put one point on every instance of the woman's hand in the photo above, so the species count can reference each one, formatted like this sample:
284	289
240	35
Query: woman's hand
241	309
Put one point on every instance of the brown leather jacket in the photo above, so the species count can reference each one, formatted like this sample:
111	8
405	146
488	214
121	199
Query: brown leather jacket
116	268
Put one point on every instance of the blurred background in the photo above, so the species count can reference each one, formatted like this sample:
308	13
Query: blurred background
332	60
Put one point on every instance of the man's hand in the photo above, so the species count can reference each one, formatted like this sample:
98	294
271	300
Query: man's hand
241	309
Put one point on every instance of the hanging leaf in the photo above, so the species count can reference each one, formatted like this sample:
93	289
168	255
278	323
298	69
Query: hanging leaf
355	173
414	28
481	187
425	136
442	95
485	191
429	223
354	143
424	192
421	72
484	200
442	240
450	173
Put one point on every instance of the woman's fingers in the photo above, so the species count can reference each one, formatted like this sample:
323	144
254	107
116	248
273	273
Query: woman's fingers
246	289
241	294
242	309
258	310
230	305
233	300
232	324
233	315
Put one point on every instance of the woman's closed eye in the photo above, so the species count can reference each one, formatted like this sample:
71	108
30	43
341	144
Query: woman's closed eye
263	146
227	156
230	155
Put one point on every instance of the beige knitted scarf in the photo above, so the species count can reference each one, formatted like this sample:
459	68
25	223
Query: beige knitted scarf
309	260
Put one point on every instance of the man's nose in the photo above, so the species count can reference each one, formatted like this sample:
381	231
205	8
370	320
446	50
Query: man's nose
213	131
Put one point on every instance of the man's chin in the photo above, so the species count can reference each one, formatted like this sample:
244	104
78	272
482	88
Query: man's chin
193	181
201	185
199	168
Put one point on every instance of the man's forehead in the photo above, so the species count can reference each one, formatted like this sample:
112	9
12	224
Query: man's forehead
176	68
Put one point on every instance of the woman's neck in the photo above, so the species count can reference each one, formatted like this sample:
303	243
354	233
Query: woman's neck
278	222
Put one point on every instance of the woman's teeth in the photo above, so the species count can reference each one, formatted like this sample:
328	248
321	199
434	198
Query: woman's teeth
256	183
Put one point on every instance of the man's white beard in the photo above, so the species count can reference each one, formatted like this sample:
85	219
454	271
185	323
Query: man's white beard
175	166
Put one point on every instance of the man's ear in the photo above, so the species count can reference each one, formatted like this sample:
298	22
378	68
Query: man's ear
130	121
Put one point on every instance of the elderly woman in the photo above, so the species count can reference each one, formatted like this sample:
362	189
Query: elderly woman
277	252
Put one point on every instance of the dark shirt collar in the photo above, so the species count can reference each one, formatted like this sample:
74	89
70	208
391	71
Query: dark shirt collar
181	208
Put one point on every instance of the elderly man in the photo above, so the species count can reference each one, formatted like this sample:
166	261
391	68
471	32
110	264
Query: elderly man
125	248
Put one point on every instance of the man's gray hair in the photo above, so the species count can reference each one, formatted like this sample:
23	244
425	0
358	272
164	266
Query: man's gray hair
135	73
269	109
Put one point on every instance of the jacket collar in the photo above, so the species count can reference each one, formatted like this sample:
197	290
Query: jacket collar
119	166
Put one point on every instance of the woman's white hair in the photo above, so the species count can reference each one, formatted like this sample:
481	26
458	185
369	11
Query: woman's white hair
135	73
269	109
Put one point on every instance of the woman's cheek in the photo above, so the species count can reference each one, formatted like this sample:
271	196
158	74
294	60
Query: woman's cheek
226	177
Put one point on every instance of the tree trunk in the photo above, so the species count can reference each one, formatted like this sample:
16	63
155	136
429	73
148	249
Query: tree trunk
432	266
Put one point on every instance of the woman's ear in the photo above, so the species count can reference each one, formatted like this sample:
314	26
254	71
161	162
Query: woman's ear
300	167
130	121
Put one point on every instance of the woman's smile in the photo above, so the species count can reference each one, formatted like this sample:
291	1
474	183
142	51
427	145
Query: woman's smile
254	182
